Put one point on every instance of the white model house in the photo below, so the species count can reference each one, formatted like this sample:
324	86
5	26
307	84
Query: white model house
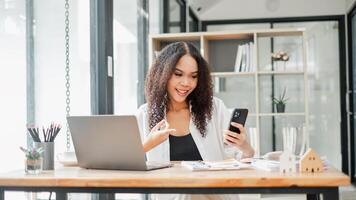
287	162
310	162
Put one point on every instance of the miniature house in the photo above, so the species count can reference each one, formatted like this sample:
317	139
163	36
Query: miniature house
287	162
310	162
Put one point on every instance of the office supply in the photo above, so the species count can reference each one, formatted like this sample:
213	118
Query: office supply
266	165
47	154
34	133
231	164
176	179
49	134
109	142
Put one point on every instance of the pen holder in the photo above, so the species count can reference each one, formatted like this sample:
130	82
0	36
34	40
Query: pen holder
48	154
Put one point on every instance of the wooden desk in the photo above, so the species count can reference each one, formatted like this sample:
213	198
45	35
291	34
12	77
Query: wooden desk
175	180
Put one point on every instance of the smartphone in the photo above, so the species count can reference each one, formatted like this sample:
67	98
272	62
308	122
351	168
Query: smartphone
239	116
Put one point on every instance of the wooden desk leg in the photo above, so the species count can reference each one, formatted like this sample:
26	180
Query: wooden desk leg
313	196
332	194
61	195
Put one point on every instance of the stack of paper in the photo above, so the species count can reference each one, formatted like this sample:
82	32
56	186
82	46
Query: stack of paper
266	165
273	165
214	165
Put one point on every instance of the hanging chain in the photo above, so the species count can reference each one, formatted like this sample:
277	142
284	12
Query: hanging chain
67	72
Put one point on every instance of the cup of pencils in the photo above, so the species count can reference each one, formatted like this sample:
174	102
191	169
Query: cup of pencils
46	142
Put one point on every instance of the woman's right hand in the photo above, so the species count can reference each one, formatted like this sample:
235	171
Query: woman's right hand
158	134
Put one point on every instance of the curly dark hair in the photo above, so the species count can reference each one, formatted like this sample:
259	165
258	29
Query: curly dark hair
163	67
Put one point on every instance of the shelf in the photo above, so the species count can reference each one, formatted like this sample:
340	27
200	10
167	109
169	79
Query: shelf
281	32
280	114
226	74
280	73
169	37
254	84
226	36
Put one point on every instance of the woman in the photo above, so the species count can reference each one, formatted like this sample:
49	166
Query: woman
182	120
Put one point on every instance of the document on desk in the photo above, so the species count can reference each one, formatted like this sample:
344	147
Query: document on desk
214	165
266	165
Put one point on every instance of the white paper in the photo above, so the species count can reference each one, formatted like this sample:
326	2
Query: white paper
214	165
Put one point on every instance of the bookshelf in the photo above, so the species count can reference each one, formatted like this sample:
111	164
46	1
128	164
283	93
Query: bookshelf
250	79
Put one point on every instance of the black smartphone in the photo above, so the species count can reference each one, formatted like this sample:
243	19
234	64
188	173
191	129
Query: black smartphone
239	116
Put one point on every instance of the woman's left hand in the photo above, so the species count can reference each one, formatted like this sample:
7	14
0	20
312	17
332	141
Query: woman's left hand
239	140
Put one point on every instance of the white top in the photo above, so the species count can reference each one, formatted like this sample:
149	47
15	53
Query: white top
211	147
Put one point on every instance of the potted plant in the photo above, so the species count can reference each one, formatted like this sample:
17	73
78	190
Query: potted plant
33	162
280	102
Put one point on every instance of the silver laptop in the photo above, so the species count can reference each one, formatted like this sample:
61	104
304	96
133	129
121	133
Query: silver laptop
109	142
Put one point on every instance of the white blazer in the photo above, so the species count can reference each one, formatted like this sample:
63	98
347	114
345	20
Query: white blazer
211	147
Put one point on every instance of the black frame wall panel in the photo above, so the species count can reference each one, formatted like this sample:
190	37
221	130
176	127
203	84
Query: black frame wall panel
101	46
30	68
142	48
194	25
351	14
182	16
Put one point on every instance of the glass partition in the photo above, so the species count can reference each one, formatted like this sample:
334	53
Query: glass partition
323	83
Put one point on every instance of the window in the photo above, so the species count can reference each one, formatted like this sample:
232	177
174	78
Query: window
49	56
125	56
12	83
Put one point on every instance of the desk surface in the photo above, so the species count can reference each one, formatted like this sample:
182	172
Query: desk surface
176	176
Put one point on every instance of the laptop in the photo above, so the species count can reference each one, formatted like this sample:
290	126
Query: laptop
109	142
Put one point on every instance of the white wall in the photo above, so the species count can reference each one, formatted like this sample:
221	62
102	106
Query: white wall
242	9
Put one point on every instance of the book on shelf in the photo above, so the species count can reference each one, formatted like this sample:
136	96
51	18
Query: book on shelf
244	61
248	58
252	59
238	58
244	58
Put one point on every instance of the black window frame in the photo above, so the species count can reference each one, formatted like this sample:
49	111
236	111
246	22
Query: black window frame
351	61
183	22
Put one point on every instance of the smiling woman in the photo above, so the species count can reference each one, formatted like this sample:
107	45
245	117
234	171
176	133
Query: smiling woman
182	120
179	67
